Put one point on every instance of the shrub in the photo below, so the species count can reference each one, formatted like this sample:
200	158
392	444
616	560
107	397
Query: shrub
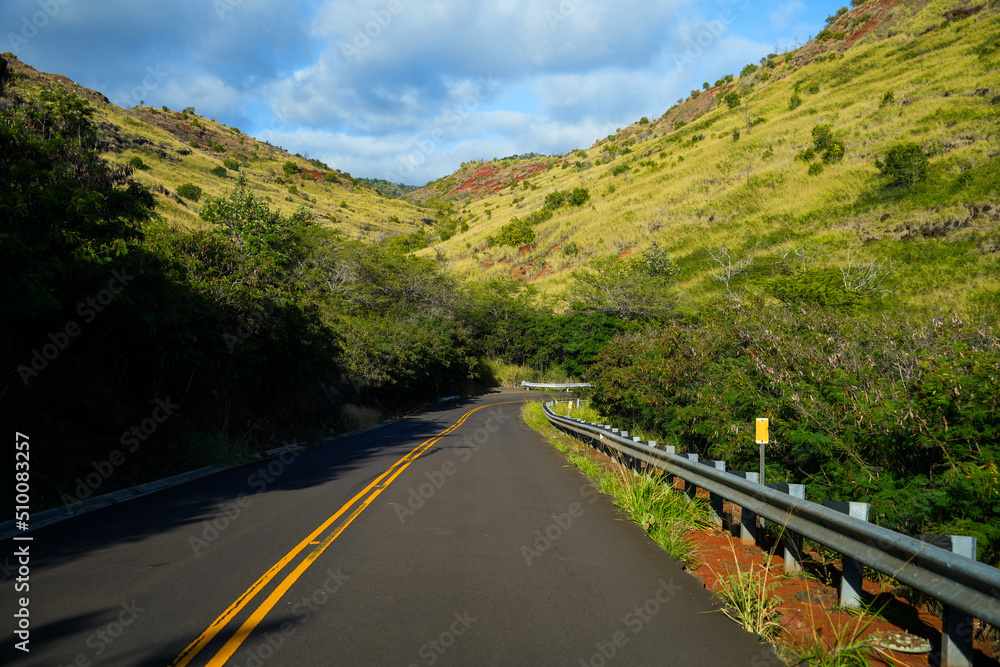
748	70
292	190
231	164
888	99
218	148
194	143
644	120
137	163
736	134
554	200
290	168
732	99
330	177
816	168
679	124
571	249
619	169
834	151
904	163
794	101
821	135
219	171
189	191
578	197
515	233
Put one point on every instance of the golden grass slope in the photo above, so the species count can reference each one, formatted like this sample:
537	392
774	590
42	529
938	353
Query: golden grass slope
695	188
178	148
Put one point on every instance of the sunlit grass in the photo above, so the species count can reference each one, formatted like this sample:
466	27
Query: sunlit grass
665	514
703	200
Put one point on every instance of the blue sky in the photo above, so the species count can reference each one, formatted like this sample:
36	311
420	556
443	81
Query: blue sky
401	89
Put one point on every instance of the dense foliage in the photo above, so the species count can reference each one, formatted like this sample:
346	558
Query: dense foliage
258	326
861	409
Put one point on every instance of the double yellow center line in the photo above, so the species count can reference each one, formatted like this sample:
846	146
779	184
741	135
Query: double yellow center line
358	503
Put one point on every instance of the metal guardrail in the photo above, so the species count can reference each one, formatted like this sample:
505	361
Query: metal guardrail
958	582
556	385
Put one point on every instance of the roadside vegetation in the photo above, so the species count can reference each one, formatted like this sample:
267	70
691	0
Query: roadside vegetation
815	240
665	514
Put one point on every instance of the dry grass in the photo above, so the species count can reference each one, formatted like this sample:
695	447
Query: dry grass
695	195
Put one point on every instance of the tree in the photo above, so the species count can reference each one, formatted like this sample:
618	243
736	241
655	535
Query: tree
905	164
629	289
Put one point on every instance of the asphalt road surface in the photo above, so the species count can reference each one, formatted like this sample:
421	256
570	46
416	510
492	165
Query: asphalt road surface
455	536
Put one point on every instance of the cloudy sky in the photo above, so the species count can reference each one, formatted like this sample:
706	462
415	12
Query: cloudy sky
401	89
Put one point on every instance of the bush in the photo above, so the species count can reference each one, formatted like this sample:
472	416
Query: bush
794	102
290	168
554	200
231	164
619	169
219	171
748	70
816	168
732	99
578	197
834	151
821	135
194	143
515	233
189	191
218	148
137	163
736	134
905	164
887	100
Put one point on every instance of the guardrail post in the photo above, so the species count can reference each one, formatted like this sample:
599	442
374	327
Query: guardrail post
793	541
853	576
715	500
957	630
689	488
748	518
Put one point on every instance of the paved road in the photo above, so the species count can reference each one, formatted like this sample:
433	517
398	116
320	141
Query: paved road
455	536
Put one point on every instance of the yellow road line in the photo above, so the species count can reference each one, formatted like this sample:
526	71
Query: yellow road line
377	486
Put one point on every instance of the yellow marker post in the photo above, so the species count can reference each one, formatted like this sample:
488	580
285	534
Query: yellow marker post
762	440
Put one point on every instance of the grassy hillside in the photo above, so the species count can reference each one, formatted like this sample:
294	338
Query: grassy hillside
171	148
735	196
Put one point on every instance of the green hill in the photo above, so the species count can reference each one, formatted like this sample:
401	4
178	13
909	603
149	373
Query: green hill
171	148
739	183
